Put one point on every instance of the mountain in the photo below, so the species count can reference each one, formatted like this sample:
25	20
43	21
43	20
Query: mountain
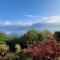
42	26
21	29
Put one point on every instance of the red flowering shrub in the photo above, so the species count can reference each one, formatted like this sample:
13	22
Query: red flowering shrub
45	50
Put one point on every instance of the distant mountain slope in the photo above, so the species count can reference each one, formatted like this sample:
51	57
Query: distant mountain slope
43	26
21	29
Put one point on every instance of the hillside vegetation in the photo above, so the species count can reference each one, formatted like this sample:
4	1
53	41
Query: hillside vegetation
33	45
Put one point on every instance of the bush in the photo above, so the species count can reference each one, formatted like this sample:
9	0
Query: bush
11	56
11	43
18	48
57	36
3	49
22	56
48	49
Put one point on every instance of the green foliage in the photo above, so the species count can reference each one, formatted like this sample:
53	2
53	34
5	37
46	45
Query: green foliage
3	49
47	34
22	41
3	38
40	37
22	56
17	44
18	48
30	38
11	43
57	36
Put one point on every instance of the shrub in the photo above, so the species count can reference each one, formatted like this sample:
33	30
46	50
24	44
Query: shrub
18	48
57	36
11	56
3	49
48	49
22	56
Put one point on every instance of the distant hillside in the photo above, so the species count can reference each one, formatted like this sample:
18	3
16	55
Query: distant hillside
21	29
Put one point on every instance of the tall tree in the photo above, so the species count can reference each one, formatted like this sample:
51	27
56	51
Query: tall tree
3	38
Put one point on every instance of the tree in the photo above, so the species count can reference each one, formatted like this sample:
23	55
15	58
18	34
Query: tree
3	38
57	36
47	34
30	38
12	42
23	41
40	36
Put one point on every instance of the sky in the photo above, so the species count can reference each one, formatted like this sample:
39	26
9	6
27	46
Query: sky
17	12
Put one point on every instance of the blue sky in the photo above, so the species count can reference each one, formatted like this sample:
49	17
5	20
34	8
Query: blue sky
28	10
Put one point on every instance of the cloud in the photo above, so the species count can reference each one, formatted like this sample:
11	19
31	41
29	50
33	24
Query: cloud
17	23
27	15
6	23
30	16
52	19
